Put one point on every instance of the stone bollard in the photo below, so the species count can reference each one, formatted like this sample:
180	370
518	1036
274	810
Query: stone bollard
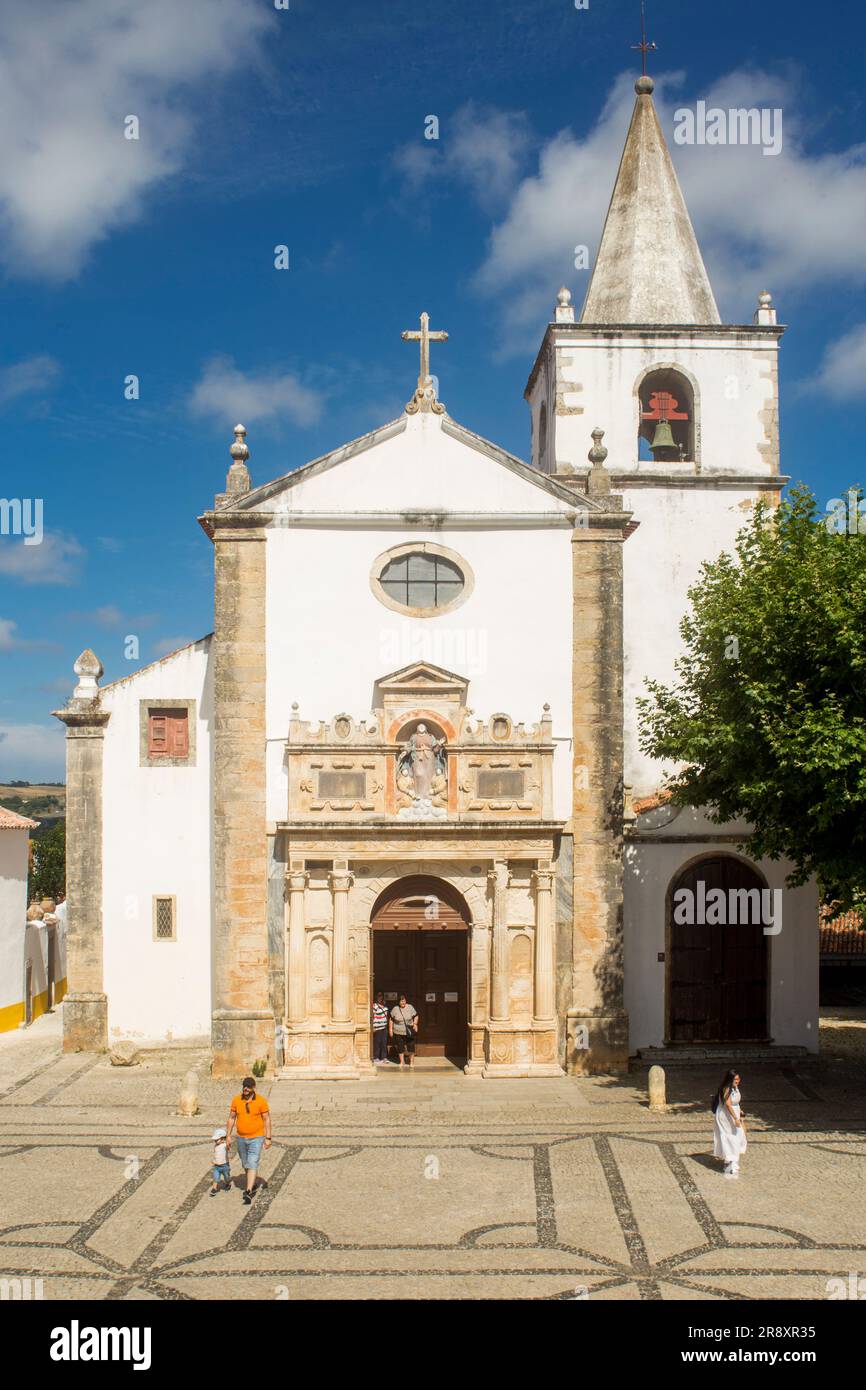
189	1095
657	1088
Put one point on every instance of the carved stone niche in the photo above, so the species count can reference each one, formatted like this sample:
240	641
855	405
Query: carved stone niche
420	756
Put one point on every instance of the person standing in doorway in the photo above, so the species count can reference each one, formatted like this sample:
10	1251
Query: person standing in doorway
380	1030
252	1115
403	1025
729	1131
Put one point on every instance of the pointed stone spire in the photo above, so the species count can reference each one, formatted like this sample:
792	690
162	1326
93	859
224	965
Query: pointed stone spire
649	268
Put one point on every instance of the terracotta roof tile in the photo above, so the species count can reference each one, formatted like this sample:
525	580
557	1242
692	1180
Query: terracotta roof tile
650	803
10	820
843	937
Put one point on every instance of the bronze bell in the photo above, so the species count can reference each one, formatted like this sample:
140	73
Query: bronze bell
662	439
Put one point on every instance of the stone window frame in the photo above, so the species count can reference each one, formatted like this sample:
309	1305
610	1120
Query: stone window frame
165	702
161	898
396	552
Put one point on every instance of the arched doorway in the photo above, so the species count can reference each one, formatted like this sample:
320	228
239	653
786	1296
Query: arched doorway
718	972
420	933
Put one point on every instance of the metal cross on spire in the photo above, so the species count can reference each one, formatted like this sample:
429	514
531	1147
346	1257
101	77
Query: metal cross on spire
425	392
643	47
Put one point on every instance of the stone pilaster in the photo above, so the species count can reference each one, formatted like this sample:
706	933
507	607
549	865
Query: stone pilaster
243	1021
341	984
545	1012
296	953
499	984
597	1038
85	1007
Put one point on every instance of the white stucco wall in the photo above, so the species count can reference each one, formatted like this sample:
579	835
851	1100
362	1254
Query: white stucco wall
329	637
733	374
13	913
679	529
793	952
157	840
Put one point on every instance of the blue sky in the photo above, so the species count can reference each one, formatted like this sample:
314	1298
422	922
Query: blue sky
305	127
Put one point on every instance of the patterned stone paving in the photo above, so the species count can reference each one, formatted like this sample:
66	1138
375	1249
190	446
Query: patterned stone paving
430	1185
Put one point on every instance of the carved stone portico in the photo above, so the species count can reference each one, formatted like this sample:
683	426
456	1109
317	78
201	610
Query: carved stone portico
491	838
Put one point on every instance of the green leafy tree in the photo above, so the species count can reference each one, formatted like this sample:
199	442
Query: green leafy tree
48	870
766	718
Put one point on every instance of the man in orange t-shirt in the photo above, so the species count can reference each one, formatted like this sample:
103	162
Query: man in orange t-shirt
252	1115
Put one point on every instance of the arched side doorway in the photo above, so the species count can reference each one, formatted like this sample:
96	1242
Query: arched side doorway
718	970
420	934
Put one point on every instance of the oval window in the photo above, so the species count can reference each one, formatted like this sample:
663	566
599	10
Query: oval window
420	580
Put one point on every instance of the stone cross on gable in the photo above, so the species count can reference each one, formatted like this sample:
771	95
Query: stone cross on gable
425	392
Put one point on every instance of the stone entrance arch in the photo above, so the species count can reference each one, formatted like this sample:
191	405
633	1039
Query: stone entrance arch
420	932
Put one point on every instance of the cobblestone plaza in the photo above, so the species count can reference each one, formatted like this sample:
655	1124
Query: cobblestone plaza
432	1185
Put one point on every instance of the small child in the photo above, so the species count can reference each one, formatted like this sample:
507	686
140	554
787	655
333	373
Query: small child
222	1169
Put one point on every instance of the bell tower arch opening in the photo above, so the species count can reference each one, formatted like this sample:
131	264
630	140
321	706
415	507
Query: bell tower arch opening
666	417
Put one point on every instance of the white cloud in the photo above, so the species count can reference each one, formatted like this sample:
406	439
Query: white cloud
842	371
482	148
231	395
31	376
70	74
56	561
785	223
32	752
8	640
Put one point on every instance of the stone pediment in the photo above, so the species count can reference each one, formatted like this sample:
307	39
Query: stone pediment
421	678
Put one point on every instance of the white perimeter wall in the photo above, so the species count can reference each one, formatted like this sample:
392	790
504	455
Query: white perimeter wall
157	840
13	913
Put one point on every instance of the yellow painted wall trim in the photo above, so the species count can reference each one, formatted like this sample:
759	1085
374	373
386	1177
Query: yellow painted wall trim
12	1016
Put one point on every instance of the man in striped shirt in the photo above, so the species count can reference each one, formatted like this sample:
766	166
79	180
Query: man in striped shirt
380	1030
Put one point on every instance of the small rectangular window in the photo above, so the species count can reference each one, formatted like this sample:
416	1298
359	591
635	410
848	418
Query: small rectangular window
164	918
168	733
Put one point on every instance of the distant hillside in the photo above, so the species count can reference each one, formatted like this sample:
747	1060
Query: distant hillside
41	801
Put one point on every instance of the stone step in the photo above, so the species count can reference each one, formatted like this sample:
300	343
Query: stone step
730	1053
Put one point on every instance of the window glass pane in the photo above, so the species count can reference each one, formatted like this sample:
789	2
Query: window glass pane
422	567
395	589
422	595
445	570
422	581
396	569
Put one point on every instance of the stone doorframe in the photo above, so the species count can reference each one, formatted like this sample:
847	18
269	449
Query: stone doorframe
502	905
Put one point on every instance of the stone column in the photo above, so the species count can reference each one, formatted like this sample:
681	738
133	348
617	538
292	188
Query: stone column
500	1009
243	1021
341	984
296	953
597	1021
544	1011
85	1008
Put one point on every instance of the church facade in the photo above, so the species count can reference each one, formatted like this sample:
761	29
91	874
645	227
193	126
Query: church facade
407	757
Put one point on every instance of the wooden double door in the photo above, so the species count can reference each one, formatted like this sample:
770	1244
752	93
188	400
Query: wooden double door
718	973
420	950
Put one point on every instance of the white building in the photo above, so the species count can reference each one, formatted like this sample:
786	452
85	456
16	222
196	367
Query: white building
31	956
406	759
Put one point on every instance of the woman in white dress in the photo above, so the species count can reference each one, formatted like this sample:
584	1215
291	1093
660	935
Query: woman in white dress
729	1131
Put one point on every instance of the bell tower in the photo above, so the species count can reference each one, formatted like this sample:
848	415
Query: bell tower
689	405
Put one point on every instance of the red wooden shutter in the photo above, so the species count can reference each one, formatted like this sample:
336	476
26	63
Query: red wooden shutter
157	742
178	742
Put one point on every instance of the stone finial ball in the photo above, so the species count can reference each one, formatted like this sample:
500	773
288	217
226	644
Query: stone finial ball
644	86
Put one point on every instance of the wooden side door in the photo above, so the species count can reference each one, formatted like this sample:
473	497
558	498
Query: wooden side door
718	973
443	975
